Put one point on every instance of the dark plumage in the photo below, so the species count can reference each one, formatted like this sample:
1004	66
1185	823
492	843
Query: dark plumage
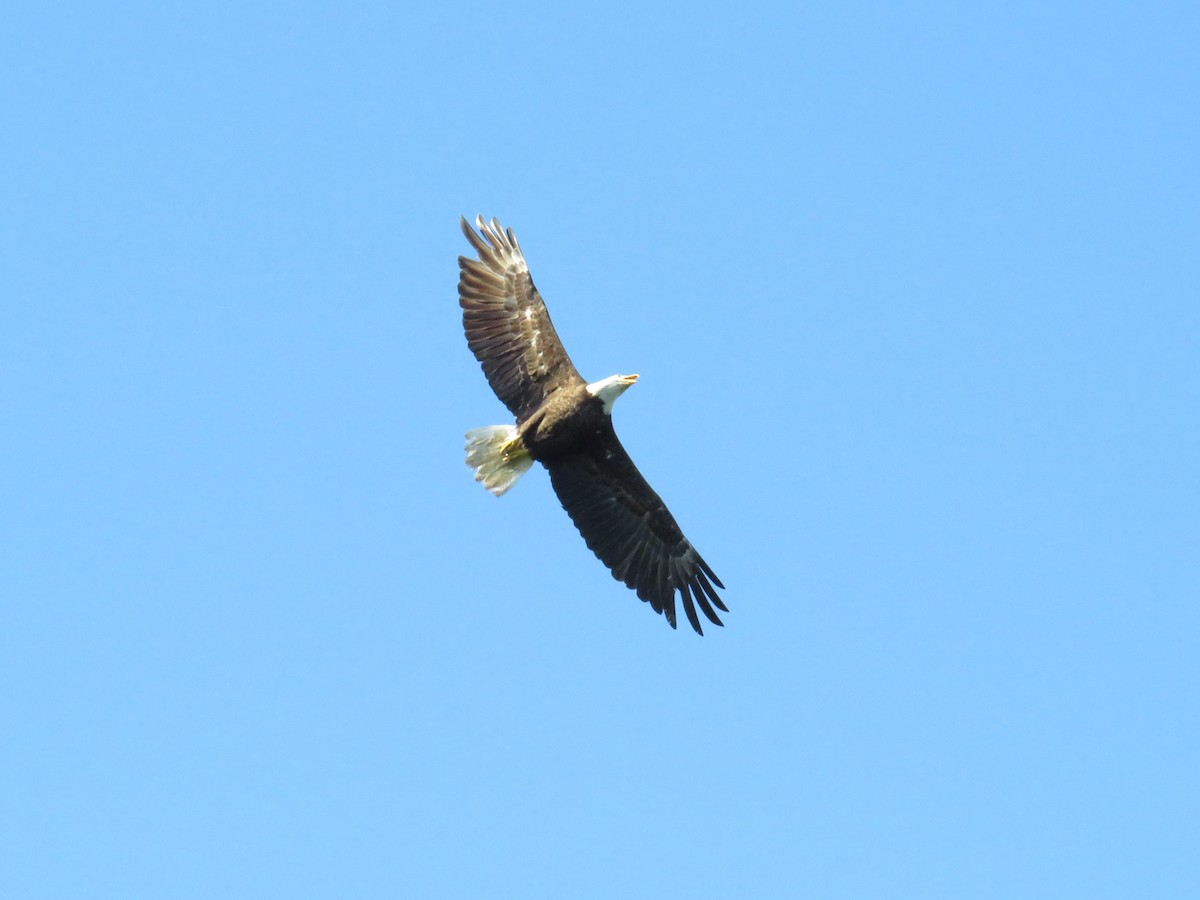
565	424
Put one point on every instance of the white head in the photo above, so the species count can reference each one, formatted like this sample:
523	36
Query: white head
610	388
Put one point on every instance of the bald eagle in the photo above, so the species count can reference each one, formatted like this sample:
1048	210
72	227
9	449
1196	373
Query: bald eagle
565	423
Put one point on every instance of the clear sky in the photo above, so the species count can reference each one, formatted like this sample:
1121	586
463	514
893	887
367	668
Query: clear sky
914	292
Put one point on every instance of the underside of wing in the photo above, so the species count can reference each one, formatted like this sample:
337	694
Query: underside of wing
627	526
506	323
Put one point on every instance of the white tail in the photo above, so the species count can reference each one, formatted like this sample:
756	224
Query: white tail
498	456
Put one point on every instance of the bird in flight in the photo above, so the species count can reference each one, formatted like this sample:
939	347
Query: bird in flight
565	423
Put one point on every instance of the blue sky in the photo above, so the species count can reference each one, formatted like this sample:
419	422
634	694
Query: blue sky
913	292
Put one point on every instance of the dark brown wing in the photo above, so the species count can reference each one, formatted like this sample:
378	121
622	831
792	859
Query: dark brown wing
626	525
507	325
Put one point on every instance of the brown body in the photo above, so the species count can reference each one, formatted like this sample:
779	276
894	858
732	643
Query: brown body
568	421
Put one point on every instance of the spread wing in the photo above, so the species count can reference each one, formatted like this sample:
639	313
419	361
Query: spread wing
507	325
626	525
